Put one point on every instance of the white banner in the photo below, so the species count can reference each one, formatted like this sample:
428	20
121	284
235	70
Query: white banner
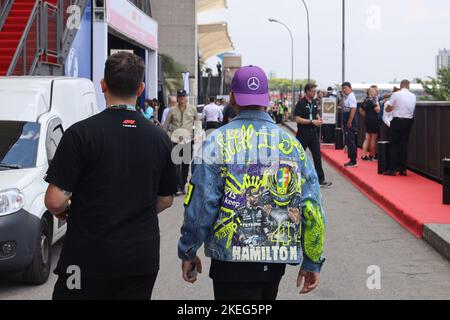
329	110
186	83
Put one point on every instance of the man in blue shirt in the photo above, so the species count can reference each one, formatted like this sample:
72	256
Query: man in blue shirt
254	201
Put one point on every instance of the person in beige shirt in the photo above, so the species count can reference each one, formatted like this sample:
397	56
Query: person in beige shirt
183	124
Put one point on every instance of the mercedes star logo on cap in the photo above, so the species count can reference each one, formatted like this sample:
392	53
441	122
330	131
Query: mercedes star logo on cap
253	83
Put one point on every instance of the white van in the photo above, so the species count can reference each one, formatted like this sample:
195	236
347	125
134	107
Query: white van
34	112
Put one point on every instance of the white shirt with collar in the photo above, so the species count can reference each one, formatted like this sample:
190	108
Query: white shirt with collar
212	113
404	104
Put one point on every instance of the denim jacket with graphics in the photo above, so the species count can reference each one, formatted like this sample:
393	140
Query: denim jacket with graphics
254	196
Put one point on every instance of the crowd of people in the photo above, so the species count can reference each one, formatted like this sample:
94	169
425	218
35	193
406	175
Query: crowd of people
376	111
114	173
387	118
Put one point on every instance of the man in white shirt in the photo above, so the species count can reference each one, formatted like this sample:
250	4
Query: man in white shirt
172	103
402	105
349	115
212	115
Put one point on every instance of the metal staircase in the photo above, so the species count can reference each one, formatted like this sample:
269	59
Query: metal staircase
45	39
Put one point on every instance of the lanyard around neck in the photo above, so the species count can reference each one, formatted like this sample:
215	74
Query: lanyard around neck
310	107
123	107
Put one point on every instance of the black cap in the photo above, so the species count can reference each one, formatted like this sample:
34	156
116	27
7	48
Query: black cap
330	89
181	93
252	192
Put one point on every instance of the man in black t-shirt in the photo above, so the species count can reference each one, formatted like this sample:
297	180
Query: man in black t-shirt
309	122
114	171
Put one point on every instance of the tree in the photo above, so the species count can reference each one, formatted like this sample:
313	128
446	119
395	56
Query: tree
279	84
172	70
438	88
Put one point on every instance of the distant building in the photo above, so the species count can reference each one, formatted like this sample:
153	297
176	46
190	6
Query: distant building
443	59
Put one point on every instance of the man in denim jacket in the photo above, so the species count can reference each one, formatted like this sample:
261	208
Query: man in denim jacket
254	201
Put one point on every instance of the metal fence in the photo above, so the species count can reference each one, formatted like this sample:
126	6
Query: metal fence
430	138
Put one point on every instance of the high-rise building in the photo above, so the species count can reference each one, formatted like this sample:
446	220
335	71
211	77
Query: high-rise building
443	59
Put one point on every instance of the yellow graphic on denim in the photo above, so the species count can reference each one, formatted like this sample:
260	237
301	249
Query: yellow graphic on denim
314	232
226	227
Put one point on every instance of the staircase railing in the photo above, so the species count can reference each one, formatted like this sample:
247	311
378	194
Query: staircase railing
46	37
5	7
28	52
51	32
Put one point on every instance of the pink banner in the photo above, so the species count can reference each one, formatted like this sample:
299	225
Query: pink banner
130	21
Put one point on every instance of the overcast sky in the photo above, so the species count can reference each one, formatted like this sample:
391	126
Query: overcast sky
386	39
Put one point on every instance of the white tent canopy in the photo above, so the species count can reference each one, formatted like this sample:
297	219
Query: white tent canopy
213	39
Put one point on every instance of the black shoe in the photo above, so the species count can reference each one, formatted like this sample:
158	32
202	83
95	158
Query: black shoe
366	158
390	174
351	164
403	174
326	184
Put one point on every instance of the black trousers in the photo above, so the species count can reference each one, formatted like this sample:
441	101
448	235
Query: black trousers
225	291
278	118
212	125
350	142
384	132
309	138
399	135
183	169
123	288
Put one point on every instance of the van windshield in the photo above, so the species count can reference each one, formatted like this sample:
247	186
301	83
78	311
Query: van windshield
18	144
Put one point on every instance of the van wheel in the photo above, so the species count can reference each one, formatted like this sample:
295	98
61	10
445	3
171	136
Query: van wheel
39	270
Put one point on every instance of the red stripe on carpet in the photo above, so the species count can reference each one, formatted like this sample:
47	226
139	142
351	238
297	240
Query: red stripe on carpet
412	201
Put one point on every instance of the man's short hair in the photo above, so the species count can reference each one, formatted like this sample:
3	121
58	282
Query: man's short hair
212	99
124	73
309	87
347	84
404	84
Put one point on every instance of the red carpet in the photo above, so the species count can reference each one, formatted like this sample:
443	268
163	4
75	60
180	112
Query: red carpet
412	201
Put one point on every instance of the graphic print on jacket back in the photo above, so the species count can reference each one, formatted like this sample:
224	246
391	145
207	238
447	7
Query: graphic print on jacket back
260	217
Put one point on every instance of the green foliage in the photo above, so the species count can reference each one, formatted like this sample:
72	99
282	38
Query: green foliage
172	70
279	84
438	88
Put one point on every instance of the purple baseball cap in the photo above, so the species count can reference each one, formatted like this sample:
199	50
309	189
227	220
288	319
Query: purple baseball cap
250	87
